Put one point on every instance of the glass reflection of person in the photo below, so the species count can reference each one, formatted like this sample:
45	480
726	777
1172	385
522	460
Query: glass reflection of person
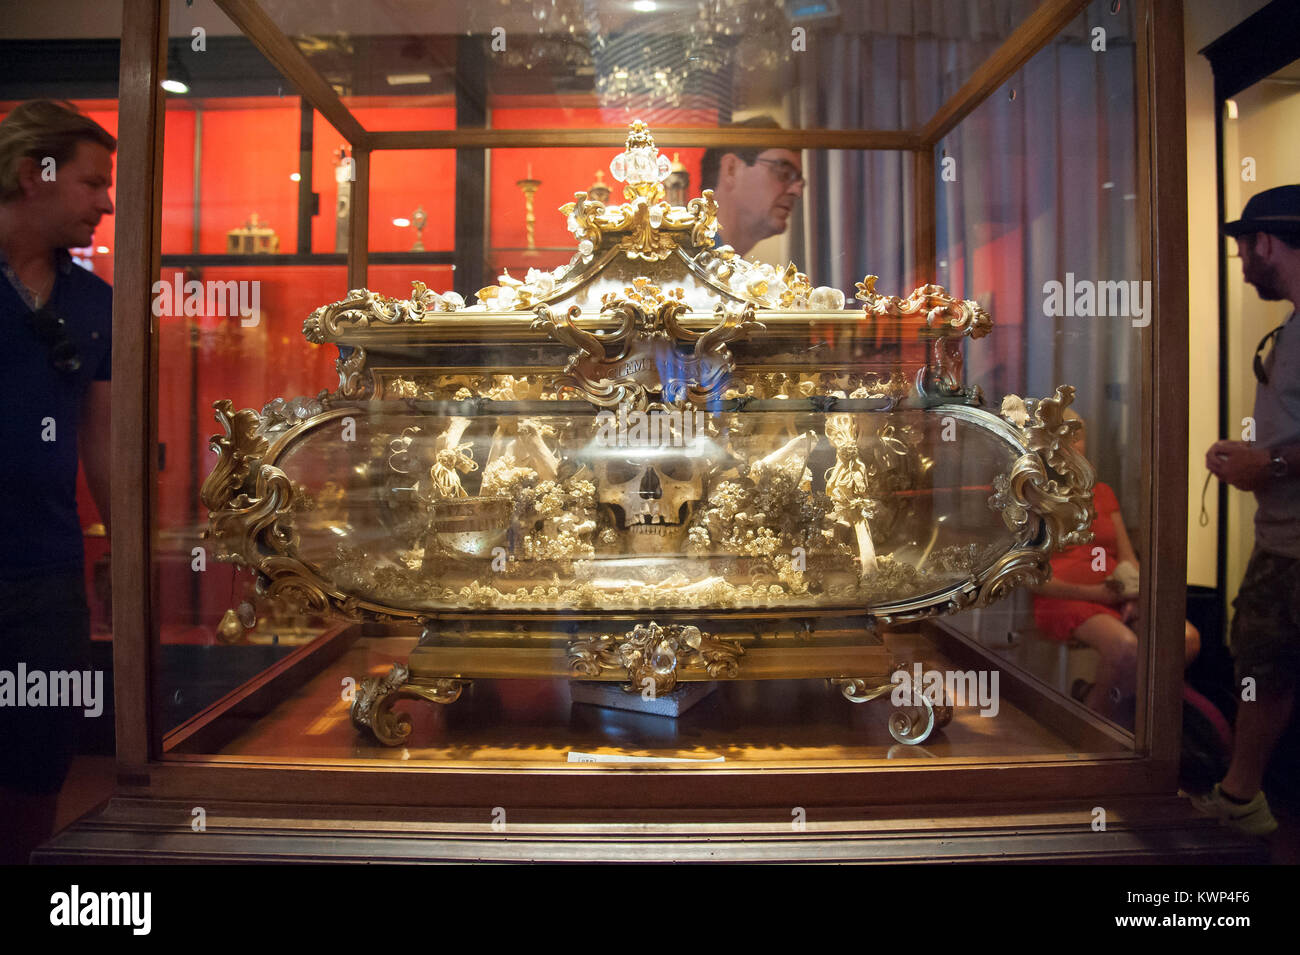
56	168
755	188
1092	600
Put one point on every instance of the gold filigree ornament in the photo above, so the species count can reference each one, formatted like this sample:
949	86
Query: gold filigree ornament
907	724
949	320
1046	499
627	366
654	655
356	381
647	227
249	507
372	706
362	307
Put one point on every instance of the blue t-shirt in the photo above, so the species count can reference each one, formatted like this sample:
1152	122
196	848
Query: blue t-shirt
40	532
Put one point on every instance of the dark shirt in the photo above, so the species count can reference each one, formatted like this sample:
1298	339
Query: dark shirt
40	532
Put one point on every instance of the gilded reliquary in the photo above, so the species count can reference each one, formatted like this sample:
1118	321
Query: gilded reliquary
660	463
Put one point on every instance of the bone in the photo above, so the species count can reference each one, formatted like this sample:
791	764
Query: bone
791	457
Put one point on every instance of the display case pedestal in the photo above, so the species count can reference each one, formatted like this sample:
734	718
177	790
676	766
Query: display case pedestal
649	660
672	705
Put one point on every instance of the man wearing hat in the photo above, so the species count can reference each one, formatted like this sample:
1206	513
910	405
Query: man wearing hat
1266	619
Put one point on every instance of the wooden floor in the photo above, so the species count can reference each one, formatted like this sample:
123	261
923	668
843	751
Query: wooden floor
515	722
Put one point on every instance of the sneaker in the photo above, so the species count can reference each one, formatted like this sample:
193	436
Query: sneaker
1252	818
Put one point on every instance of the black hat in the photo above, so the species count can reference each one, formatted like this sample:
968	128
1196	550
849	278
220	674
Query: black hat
1273	210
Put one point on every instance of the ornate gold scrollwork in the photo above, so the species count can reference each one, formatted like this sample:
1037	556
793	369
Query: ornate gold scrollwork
655	653
1046	499
859	690
280	415
372	707
940	309
248	508
627	365
356	381
651	229
910	723
951	318
241	445
363	306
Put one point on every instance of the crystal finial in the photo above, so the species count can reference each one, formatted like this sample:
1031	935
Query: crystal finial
640	162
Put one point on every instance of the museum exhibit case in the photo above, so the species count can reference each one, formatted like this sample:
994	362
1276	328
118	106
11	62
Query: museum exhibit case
650	470
568	522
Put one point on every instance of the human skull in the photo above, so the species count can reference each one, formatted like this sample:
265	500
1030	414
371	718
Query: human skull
654	493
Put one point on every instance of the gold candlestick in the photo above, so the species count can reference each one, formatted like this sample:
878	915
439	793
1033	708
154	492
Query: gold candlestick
529	186
418	220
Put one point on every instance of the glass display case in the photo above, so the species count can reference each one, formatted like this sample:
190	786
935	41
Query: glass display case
595	521
772	511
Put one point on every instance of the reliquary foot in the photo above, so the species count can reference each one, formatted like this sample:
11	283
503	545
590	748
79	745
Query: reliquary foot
372	707
912	724
858	690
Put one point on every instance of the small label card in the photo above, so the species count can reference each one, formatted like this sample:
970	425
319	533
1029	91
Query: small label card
575	757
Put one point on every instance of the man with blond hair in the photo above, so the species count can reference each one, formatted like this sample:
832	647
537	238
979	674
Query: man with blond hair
56	168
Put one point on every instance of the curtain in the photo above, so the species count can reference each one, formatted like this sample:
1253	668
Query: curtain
1045	185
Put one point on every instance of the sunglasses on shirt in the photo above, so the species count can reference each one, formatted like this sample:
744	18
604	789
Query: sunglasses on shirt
52	331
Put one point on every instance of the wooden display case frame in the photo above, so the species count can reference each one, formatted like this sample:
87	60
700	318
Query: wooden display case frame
955	808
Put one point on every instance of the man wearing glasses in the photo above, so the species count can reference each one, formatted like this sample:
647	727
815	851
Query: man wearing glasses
1266	618
755	188
56	168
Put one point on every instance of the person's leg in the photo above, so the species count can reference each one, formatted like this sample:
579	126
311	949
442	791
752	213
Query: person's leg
1260	725
44	627
1266	645
1117	668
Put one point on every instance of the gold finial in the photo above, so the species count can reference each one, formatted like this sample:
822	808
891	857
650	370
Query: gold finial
638	134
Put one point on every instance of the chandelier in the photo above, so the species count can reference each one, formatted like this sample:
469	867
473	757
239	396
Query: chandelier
662	56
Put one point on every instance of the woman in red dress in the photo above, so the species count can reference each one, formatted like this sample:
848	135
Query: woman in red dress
1092	597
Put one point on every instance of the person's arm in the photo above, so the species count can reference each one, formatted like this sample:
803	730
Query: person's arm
1246	466
1092	593
95	443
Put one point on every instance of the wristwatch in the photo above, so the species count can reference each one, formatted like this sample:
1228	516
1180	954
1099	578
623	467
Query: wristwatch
1277	465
